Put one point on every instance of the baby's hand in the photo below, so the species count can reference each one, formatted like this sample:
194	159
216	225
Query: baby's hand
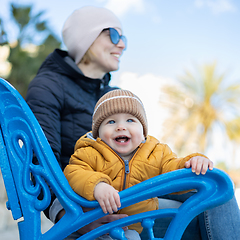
108	197
199	164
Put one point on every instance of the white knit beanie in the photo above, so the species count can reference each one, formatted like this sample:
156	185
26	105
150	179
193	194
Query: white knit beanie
83	26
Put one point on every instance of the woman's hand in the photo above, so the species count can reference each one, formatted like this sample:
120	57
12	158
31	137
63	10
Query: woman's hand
99	222
199	164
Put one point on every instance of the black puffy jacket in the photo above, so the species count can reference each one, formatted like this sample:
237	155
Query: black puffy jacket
63	99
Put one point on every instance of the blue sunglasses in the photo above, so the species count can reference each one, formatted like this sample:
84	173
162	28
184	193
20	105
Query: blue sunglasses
115	36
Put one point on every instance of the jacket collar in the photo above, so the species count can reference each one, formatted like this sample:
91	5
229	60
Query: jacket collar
69	68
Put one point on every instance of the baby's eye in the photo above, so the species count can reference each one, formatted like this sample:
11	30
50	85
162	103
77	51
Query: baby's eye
130	120
111	122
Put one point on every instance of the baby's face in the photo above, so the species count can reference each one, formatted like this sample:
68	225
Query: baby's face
123	132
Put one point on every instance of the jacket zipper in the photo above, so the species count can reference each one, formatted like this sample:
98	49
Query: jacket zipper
127	171
102	84
126	163
127	168
99	91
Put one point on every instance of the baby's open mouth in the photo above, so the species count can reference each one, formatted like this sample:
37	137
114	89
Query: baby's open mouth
122	139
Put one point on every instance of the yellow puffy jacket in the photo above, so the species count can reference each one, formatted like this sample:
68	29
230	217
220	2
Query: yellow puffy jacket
94	161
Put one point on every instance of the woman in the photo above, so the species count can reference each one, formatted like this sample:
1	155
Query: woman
68	84
63	95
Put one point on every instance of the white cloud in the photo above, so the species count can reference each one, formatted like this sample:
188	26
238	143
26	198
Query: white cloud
216	6
148	88
121	7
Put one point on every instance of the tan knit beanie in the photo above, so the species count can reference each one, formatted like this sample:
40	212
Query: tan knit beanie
83	26
118	101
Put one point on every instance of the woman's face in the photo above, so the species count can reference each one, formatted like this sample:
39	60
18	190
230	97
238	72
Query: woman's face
104	54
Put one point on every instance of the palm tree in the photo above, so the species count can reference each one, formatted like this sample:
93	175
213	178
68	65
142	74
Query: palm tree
33	33
233	132
198	104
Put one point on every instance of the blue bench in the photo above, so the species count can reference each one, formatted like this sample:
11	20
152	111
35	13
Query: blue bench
21	136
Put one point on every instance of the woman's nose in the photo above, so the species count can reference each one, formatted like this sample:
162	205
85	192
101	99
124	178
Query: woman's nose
121	44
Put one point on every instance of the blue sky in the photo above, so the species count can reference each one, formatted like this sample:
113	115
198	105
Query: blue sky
165	37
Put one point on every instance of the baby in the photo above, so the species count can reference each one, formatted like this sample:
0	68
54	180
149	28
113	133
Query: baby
119	153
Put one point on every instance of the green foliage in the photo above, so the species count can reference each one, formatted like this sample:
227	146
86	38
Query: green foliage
29	52
222	165
233	129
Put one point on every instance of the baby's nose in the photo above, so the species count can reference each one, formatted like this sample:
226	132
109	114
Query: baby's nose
121	127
